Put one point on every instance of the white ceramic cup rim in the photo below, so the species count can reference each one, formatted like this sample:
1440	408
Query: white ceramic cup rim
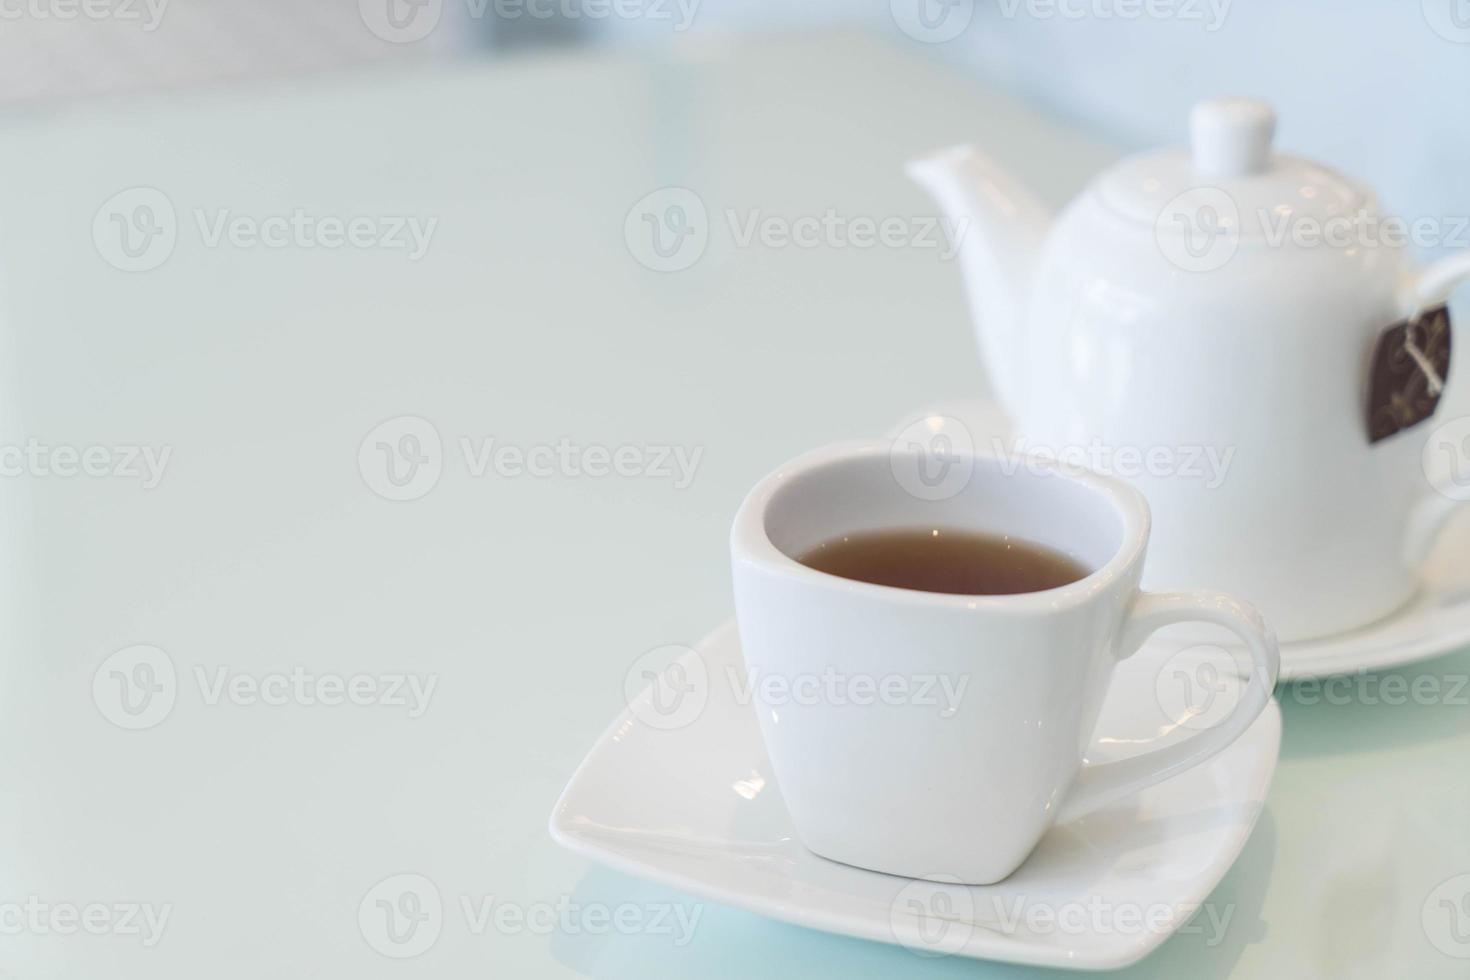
751	542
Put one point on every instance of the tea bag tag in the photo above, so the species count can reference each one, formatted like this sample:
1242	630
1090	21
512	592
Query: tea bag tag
1406	379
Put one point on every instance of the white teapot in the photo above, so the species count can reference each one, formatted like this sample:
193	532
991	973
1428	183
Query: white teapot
1212	317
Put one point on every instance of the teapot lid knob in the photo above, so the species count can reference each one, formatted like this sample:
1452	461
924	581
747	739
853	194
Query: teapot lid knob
1231	137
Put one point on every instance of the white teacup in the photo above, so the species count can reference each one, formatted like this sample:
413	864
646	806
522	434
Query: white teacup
917	786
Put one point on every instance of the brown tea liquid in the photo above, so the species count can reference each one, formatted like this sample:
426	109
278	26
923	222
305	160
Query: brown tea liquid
945	560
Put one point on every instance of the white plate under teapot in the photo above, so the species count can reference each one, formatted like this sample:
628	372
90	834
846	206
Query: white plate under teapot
1435	621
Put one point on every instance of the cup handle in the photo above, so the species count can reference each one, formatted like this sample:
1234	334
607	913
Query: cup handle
1102	783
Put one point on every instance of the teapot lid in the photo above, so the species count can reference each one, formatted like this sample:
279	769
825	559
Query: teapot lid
1229	168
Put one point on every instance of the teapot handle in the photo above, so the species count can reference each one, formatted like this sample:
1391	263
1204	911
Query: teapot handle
1431	287
1434	284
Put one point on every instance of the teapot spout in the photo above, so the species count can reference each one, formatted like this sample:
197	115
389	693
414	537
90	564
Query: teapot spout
1001	225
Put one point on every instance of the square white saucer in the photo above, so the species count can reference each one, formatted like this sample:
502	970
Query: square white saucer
696	807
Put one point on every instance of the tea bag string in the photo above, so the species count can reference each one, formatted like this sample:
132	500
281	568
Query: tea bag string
1435	382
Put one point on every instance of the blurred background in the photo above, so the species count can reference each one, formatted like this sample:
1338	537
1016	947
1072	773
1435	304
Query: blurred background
541	318
1368	85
